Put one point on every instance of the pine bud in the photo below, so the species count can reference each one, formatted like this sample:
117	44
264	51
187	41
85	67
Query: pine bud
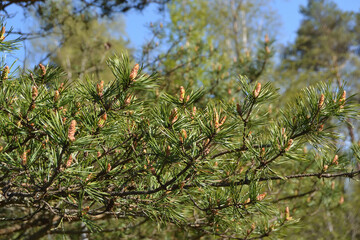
341	201
287	214
216	118
343	96
85	210
98	154
193	112
187	98
267	49
100	88
72	199
321	127
167	151
2	34
335	160
342	99
43	69
102	120
5	73
222	121
238	109
182	94
257	90
88	178
34	92
108	169
263	152
173	116
326	167
253	226
321	101
72	130
61	87
69	161
184	133
260	197
56	96
134	72
266	38
127	100
290	142
24	157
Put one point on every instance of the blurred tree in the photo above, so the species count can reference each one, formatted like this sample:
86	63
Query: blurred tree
327	47
77	35
211	40
327	43
79	43
106	7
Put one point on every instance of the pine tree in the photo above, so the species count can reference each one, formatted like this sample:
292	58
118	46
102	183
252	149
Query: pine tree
326	47
111	156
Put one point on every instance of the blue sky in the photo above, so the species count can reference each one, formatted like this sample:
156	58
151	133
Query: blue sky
288	11
137	31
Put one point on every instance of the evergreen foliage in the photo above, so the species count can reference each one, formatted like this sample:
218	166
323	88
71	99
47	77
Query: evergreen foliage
120	160
326	47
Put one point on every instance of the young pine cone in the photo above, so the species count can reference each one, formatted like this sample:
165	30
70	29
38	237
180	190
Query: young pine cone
72	130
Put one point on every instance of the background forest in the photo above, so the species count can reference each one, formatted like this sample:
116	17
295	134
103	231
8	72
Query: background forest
205	45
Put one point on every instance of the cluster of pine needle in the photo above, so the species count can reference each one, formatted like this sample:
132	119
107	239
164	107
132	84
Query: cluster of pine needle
93	151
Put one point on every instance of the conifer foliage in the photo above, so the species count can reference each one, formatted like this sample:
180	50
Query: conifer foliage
119	160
